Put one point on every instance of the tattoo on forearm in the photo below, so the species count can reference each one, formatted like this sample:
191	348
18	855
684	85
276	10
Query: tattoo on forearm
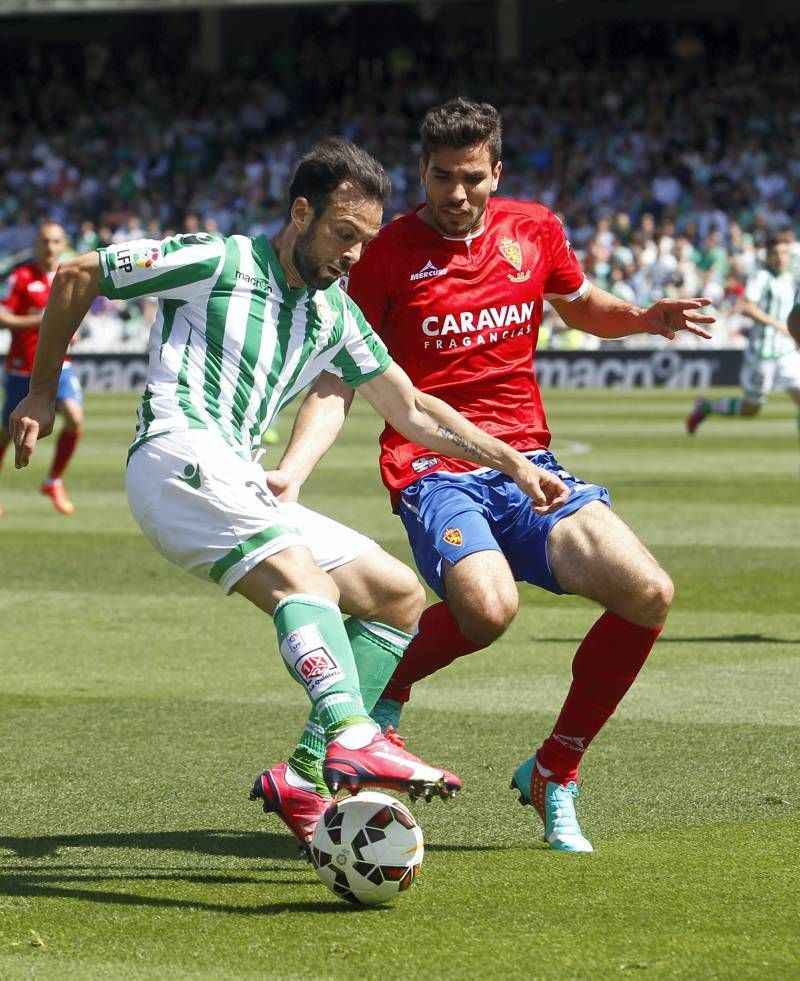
462	442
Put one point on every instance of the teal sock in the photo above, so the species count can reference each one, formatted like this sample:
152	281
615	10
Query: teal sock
377	649
316	650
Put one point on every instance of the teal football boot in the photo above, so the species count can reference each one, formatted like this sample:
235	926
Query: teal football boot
555	805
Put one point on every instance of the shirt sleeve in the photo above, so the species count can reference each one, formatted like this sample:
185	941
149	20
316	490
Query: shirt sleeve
10	298
754	291
172	268
565	279
362	354
367	286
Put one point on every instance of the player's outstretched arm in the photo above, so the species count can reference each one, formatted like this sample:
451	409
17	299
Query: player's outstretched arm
316	426
604	315
432	423
16	321
754	312
76	284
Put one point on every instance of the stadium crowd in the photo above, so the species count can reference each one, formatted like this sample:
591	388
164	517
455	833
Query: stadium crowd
669	174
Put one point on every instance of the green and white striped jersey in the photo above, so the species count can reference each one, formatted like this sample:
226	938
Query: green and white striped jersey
232	342
774	295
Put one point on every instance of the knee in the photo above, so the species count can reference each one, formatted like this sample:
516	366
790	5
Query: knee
408	602
401	602
656	599
482	623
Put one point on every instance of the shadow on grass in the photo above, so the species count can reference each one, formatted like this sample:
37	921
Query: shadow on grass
704	639
236	844
88	882
32	885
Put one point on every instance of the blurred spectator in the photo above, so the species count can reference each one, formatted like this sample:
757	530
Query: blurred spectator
669	173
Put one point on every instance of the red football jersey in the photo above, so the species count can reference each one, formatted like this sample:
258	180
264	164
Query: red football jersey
28	291
462	319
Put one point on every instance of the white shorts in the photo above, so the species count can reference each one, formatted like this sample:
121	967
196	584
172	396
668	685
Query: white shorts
211	513
759	377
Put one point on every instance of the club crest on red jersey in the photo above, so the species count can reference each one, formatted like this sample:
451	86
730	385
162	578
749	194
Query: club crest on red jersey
453	536
511	251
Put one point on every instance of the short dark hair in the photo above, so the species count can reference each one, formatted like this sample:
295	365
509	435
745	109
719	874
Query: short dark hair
460	123
332	162
775	239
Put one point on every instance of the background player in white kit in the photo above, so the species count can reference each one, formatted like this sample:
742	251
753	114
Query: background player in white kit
244	325
771	360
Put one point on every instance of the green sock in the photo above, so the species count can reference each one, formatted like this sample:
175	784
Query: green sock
316	650
728	406
309	753
377	648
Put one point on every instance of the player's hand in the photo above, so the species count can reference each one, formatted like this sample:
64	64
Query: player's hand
32	419
546	491
666	317
285	487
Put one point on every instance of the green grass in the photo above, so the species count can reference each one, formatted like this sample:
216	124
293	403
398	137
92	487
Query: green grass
137	704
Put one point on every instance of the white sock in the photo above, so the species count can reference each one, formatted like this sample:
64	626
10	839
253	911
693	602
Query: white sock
358	735
294	779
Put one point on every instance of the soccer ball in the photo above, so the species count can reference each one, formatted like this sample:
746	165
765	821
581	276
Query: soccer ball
368	848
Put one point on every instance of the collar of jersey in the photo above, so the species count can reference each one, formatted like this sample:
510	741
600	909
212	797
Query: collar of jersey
266	254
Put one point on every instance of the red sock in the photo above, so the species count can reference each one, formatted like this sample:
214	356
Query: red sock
3	451
605	666
437	643
65	447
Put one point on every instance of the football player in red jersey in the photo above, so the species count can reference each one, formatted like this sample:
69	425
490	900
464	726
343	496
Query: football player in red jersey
455	289
20	312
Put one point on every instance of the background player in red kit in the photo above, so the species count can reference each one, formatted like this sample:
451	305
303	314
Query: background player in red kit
455	289
20	312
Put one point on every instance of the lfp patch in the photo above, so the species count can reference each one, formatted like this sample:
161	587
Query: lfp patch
453	536
148	257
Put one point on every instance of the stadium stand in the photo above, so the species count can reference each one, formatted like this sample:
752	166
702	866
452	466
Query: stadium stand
669	171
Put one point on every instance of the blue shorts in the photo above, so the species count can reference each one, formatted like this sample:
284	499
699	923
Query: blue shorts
16	386
449	516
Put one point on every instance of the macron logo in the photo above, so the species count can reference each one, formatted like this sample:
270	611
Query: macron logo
427	271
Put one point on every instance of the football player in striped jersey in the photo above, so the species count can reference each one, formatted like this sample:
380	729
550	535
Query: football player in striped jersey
243	325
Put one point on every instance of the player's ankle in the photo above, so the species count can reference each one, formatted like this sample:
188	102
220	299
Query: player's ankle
353	733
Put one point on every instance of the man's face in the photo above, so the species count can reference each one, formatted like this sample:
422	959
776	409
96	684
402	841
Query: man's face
50	245
779	257
458	183
330	243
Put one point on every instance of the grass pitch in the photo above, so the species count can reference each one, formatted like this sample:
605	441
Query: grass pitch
137	705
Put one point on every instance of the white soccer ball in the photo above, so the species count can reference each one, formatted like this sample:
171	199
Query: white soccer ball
368	848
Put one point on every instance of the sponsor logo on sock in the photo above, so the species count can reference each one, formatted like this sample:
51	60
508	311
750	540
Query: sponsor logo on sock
575	743
453	536
294	641
313	666
306	654
191	475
